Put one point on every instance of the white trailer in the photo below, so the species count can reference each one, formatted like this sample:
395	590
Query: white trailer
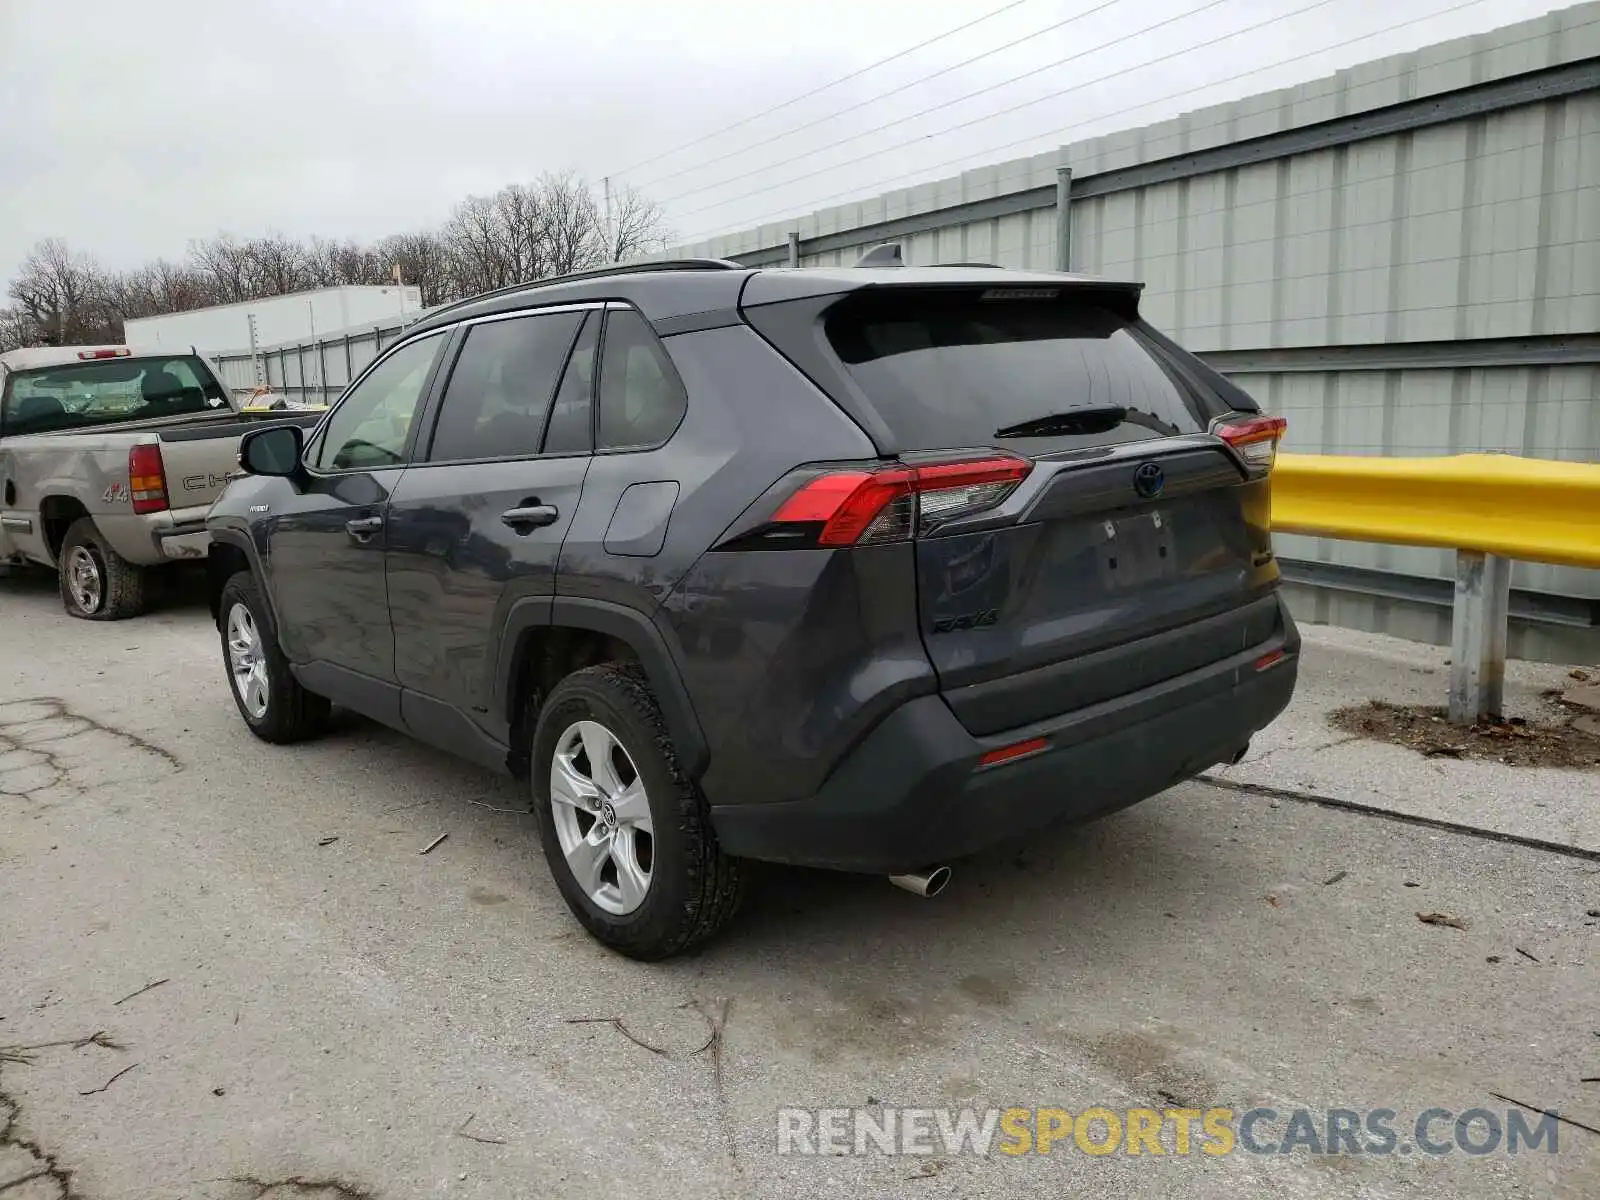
297	317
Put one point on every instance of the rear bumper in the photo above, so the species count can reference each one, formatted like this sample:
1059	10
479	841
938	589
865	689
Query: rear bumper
187	541
913	794
149	539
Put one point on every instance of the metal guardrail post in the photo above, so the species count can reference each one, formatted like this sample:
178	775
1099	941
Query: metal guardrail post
1491	509
794	248
1063	218
1478	636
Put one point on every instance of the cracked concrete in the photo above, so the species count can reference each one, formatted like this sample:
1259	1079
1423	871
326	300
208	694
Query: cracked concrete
49	753
27	1170
1304	753
336	1010
297	1187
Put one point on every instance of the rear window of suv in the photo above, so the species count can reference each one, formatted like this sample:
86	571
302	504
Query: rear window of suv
964	368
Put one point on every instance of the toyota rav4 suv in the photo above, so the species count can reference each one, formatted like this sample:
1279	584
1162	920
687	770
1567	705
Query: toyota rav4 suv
863	568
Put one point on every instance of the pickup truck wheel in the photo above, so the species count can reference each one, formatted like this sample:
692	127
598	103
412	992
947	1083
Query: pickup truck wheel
270	698
97	583
625	832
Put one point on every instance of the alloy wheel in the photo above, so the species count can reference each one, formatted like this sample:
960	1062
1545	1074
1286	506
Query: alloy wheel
247	661
602	817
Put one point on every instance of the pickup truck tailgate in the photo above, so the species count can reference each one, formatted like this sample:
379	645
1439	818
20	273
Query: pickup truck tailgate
198	460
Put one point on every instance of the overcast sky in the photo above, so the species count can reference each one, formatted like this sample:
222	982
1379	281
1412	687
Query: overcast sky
130	128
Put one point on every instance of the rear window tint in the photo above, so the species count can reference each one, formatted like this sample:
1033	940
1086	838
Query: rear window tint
641	399
953	370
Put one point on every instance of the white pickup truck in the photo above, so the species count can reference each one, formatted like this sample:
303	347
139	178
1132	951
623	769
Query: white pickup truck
109	459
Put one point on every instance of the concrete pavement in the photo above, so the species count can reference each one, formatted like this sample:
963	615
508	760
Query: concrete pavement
1301	753
337	1005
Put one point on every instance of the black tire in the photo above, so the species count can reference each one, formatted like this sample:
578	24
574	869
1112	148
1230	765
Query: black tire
695	889
118	591
291	714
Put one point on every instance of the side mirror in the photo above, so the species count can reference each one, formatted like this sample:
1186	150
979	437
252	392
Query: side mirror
272	451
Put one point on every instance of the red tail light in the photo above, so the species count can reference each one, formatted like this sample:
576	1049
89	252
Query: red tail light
147	479
1255	438
896	503
91	355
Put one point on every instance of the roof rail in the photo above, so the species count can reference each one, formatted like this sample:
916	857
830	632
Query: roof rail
665	264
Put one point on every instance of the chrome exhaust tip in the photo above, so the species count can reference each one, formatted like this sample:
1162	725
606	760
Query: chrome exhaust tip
927	883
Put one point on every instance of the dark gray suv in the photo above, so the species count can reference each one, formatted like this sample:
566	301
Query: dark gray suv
864	568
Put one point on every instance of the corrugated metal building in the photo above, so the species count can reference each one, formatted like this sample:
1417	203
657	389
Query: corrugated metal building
1403	258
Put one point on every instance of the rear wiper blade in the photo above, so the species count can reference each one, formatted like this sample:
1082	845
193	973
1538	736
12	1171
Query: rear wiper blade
1100	419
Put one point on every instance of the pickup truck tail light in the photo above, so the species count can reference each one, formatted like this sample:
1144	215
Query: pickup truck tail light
147	479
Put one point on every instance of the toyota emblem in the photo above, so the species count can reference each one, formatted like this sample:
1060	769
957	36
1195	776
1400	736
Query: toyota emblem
1148	480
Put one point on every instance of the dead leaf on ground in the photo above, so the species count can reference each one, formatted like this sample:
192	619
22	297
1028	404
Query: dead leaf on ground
1517	741
1439	918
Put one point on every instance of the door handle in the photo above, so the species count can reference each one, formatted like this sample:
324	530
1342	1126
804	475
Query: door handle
362	528
530	517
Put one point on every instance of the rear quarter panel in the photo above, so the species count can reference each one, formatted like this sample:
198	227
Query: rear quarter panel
791	658
751	418
89	468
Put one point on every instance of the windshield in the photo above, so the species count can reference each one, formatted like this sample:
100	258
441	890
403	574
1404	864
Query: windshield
75	395
962	369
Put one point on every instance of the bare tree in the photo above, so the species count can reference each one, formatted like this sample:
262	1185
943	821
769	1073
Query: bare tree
424	263
16	329
158	287
476	243
575	233
638	226
278	266
58	290
227	266
524	232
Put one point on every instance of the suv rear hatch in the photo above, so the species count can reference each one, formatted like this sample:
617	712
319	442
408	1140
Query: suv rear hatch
1083	527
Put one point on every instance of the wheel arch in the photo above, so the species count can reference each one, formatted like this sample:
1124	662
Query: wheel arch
57	513
572	632
229	553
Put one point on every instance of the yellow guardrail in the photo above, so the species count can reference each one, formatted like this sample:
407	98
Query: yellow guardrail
1533	509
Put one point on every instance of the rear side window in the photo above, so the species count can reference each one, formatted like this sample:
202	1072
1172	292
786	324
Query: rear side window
641	398
500	388
968	368
569	430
